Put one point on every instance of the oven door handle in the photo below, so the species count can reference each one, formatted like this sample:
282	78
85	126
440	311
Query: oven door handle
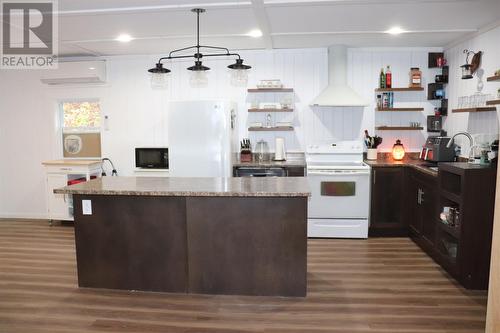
333	173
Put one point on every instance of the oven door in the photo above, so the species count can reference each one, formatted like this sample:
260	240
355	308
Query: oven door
339	194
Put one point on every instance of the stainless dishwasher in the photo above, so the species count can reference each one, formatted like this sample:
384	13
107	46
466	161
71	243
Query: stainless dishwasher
260	172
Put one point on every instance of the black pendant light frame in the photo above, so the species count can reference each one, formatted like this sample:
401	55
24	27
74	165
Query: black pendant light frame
238	65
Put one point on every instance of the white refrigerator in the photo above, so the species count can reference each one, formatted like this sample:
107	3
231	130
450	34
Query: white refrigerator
201	137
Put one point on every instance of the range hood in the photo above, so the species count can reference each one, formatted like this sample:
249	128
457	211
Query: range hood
338	93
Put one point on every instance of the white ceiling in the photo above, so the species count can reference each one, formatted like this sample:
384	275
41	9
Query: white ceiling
89	27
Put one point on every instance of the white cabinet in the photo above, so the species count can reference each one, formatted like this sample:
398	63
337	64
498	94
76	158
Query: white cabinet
58	205
58	174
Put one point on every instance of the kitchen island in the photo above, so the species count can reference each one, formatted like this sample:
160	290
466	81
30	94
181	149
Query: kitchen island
243	236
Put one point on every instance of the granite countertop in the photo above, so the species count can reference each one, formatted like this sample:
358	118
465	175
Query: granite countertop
411	161
196	187
71	162
293	160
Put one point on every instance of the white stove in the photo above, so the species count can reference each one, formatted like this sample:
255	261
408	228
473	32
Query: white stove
340	186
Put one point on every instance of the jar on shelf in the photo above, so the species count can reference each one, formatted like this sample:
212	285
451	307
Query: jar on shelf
415	77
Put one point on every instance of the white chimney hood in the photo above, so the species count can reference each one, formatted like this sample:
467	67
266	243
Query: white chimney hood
338	93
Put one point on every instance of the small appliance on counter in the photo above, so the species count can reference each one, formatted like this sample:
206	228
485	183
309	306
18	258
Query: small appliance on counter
435	150
262	151
280	153
151	158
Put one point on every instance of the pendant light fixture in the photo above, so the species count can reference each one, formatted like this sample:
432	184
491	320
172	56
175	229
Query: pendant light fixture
199	78
159	76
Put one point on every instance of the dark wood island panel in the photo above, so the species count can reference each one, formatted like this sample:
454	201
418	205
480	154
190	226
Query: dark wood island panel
247	246
132	243
240	236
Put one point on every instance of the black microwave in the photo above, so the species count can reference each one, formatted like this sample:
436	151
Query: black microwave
151	158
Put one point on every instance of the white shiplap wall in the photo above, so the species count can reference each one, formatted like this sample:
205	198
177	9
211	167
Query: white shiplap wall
484	125
137	114
364	66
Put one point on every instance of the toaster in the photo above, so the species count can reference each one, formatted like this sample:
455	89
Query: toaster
435	150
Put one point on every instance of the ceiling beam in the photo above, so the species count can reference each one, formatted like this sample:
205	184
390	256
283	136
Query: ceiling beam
138	9
263	22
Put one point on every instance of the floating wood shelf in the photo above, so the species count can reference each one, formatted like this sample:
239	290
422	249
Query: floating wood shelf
493	102
478	109
400	109
399	89
257	90
270	110
398	128
493	78
269	129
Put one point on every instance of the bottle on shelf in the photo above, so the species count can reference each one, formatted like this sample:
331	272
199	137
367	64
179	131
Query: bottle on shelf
379	102
415	77
391	99
381	82
388	77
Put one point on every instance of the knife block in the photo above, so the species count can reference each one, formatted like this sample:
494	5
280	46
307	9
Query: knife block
246	156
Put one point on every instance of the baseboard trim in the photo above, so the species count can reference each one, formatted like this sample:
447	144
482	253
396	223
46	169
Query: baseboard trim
12	216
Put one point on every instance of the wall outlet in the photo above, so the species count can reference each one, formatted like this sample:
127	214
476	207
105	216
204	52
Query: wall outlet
86	207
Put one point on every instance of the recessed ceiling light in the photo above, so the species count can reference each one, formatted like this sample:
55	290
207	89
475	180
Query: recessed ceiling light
395	31
256	33
124	38
92	68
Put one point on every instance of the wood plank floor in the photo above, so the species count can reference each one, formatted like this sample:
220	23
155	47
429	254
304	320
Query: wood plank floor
378	285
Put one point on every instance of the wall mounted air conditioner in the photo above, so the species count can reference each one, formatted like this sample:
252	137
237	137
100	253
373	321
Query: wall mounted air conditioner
76	72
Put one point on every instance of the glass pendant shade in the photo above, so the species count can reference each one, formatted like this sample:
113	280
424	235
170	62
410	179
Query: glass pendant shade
198	79
239	77
398	151
239	73
159	81
159	76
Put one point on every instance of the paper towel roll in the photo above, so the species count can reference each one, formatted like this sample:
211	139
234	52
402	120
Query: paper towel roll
280	154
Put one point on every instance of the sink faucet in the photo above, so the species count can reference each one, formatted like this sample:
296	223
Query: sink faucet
471	141
460	133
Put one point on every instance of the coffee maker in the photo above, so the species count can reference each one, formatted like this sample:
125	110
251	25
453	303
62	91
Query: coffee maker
435	150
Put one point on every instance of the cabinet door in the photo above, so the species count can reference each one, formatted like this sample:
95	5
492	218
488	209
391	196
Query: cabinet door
414	211
429	211
58	205
387	202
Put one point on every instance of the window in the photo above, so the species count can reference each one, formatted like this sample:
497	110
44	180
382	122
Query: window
81	128
81	116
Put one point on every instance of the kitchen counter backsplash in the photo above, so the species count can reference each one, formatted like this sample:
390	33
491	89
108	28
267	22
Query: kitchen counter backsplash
293	159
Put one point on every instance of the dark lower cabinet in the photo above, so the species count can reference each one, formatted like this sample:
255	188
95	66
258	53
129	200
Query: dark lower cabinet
387	217
423	208
407	201
462	247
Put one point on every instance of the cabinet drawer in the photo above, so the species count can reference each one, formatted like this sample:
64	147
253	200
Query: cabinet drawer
65	169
